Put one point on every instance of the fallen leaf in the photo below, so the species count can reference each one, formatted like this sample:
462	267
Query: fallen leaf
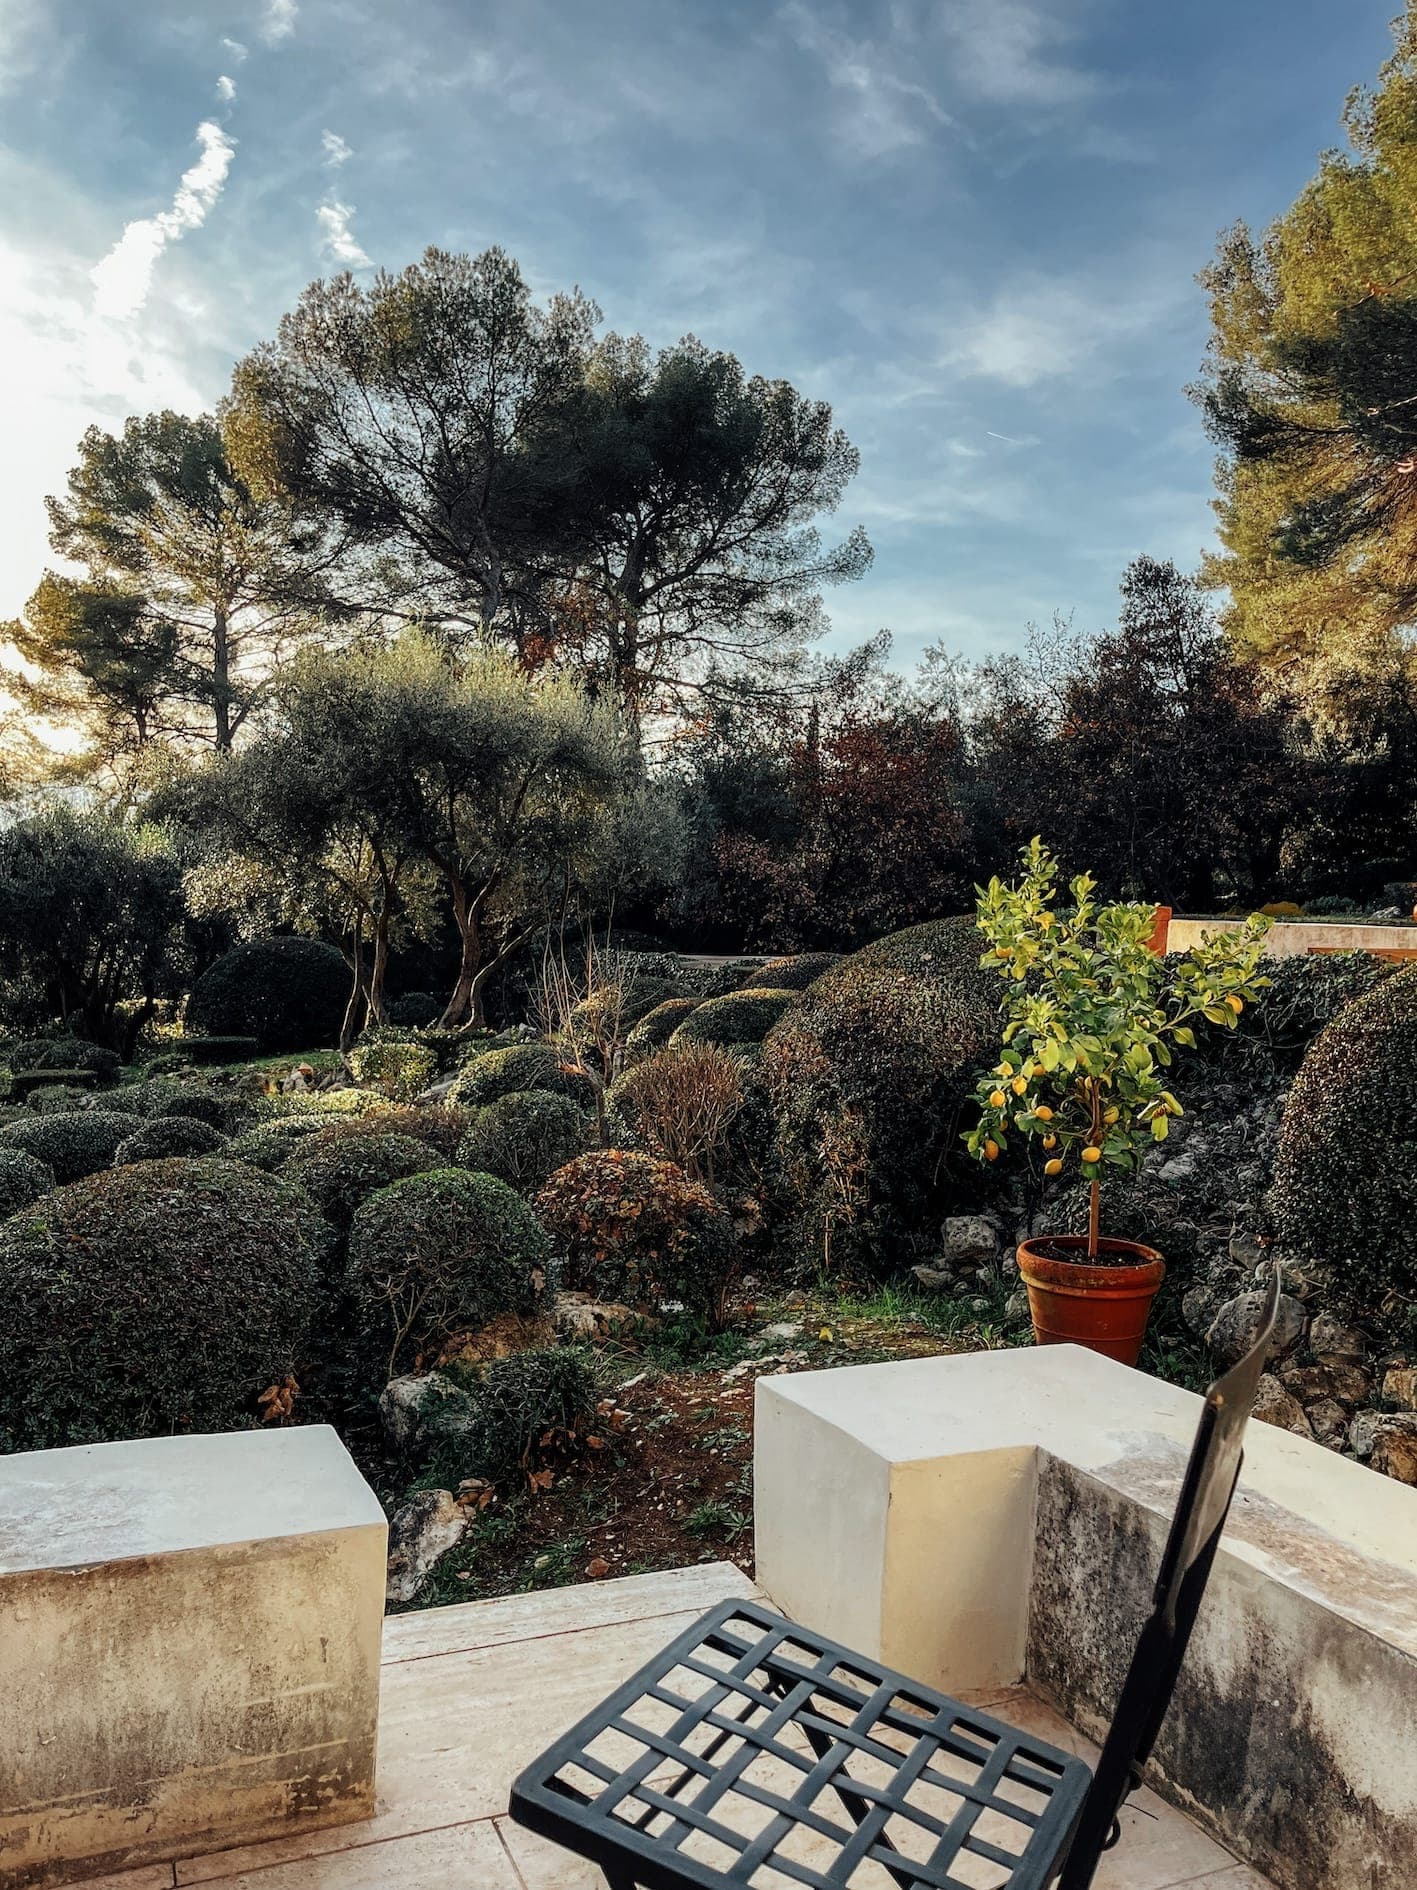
597	1567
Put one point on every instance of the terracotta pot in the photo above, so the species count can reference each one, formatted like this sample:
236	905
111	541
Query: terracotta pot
1159	931
1102	1307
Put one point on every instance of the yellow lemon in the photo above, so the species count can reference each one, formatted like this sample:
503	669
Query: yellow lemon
1055	1167
1236	1004
991	1150
1043	1113
1092	1154
1018	1085
1050	1141
1110	1117
1003	951
997	1099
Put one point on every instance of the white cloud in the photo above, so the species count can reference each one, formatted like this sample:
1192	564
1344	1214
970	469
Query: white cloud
1006	53
278	21
1047	328
337	152
235	48
337	239
225	89
20	21
886	111
121	281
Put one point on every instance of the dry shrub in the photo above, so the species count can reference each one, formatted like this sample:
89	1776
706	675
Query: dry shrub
681	1102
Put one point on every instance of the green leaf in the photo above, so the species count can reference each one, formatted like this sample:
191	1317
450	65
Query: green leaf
1160	1128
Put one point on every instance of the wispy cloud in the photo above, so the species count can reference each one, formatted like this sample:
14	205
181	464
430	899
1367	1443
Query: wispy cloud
336	238
278	20
886	111
1043	328
225	89
20	21
121	281
336	151
234	47
1010	53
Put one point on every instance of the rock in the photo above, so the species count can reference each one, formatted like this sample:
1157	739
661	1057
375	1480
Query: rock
1246	1249
577	1316
422	1405
1329	1334
1198	1307
1394	1450
1307	1382
770	1362
1327	1420
1232	1331
1275	1405
420	1534
1360	1434
783	1330
295	1084
1016	1308
1400	1386
933	1279
1349	1382
968	1241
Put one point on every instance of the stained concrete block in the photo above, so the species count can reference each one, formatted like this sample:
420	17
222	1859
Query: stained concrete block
995	1518
189	1648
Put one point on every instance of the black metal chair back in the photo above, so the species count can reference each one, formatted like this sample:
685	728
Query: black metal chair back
1206	1494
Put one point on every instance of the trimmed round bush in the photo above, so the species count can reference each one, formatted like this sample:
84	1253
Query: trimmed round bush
23	1178
160	1297
268	1146
169	1135
866	1074
442	1124
523	1137
24	1083
61	1099
1345	1176
656	1028
73	1145
340	1172
398	1064
741	1017
793	973
287	993
438	1254
65	1053
636	1229
414	1009
497	1073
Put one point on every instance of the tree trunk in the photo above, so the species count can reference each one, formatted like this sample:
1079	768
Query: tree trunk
221	680
465	1004
355	1010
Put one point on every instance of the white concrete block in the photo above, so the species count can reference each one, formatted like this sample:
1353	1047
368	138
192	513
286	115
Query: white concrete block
189	1647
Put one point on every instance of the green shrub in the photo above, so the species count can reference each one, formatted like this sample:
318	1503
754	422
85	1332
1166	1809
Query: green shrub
323	1105
794	973
521	1066
65	1053
23	1178
339	1173
73	1145
515	1402
1345	1176
60	1099
741	1017
414	1009
169	1135
268	1146
523	1138
159	1297
288	993
714	981
396	1063
656	1028
171	1096
24	1083
442	1253
867	1073
636	1229
208	1050
438	1123
1305	993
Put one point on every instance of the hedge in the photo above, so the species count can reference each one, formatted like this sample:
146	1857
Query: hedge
23	1083
654	1030
75	1144
523	1137
521	1066
65	1053
438	1254
741	1017
165	1296
208	1050
169	1135
794	973
395	1062
287	993
340	1173
23	1178
268	1146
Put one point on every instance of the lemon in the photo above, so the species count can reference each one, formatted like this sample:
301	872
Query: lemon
1050	1141
1110	1117
1055	1167
1043	1113
1092	1154
1018	1085
1236	1004
991	1150
997	1099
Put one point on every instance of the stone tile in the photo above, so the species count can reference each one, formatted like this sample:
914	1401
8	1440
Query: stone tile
466	1625
1238	1877
144	1877
542	1865
456	1858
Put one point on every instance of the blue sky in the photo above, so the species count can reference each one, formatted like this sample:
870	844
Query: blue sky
971	225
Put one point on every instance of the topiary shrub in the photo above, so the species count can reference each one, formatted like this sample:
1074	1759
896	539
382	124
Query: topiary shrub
73	1145
23	1178
793	973
395	1062
24	1083
169	1135
713	981
340	1172
547	1393
158	1297
654	1030
637	1229
1345	1176
521	1066
287	993
438	1254
1305	992
268	1146
523	1138
61	1099
170	1096
209	1050
414	1009
741	1017
442	1124
65	1053
866	1074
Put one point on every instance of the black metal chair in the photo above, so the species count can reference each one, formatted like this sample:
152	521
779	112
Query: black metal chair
755	1754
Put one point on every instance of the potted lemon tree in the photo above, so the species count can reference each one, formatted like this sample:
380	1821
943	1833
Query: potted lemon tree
1092	1015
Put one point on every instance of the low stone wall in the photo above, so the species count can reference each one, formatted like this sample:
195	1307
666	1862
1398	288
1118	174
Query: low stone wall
986	1519
189	1648
1292	938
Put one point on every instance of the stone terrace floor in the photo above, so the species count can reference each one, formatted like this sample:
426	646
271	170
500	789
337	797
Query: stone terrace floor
471	1693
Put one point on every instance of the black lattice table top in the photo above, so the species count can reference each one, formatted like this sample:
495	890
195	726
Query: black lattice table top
753	1753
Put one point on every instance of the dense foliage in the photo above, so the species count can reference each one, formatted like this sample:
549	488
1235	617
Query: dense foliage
523	1137
741	1017
287	993
73	1143
162	1296
23	1178
169	1135
340	1172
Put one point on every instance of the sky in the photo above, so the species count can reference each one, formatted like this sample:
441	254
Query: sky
972	226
